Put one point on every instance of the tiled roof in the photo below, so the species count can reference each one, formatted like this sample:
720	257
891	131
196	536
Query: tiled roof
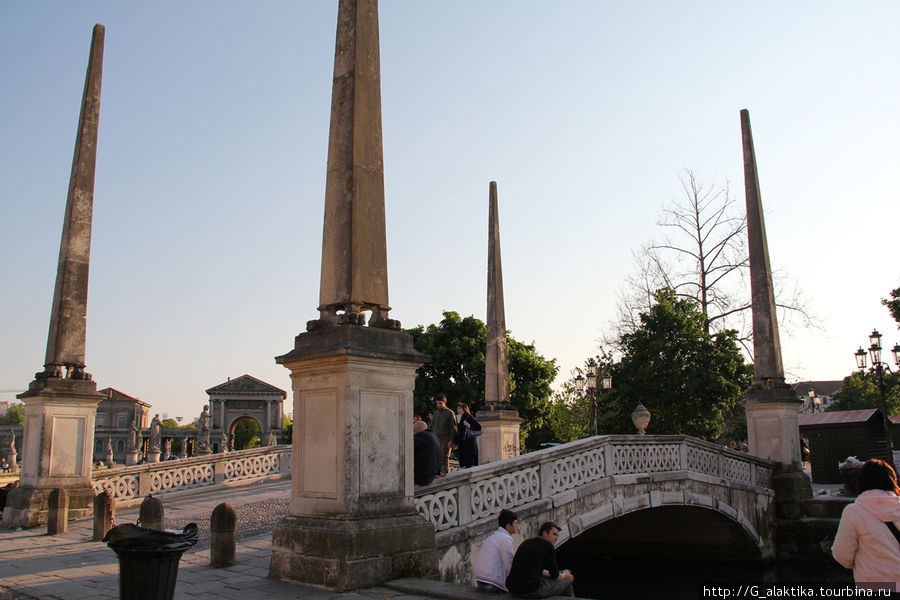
822	388
838	417
114	394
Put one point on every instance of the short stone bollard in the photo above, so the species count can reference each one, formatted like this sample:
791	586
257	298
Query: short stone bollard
104	514
150	515
222	536
58	513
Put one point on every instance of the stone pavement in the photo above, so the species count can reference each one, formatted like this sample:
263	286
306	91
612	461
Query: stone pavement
70	566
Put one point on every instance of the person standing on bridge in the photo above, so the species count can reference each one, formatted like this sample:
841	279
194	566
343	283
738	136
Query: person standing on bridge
444	427
868	540
496	555
534	573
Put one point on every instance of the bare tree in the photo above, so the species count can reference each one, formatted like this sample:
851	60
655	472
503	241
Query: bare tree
704	258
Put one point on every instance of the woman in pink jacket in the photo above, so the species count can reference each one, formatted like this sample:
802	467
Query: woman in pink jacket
864	542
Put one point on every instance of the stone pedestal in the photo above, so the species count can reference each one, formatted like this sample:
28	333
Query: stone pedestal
500	437
132	458
56	451
153	456
353	522
774	435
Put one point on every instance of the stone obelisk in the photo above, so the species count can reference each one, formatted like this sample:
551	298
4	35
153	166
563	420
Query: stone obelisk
61	402
353	521
499	420
770	404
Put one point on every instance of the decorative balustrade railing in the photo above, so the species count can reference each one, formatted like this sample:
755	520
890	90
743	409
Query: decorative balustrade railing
471	494
133	483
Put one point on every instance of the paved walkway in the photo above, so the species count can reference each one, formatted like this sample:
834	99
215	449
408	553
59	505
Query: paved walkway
72	567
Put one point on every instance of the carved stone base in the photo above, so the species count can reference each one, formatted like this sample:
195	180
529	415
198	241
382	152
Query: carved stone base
28	507
348	554
792	491
500	437
132	458
153	457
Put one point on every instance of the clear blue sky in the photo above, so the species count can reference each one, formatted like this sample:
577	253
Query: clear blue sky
211	168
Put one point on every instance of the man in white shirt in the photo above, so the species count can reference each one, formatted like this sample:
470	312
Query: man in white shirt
496	555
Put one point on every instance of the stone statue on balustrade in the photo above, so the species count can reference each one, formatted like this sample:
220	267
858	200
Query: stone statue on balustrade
134	439
10	449
155	434
167	449
223	443
270	439
108	455
203	446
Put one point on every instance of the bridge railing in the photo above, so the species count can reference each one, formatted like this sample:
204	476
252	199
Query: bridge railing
136	482
472	494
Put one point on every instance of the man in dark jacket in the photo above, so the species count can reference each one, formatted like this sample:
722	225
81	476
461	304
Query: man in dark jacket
444	428
426	454
534	573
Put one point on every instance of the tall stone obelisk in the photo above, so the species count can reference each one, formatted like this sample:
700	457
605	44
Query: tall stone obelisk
500	422
770	403
353	521
61	402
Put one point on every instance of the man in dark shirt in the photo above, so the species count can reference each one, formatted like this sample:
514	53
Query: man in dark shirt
426	454
534	573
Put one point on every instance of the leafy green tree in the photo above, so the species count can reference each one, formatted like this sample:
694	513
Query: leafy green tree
688	379
570	415
246	434
169	424
288	426
860	391
893	305
456	346
15	415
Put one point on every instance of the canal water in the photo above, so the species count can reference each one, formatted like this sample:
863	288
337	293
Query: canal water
613	579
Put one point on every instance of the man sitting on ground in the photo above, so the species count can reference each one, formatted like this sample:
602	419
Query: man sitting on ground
496	555
534	573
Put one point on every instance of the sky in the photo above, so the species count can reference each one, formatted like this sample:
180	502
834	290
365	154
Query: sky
212	149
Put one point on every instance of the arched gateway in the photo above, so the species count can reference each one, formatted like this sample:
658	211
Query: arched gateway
244	398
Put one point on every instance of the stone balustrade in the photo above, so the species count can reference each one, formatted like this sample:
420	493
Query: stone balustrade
130	484
472	494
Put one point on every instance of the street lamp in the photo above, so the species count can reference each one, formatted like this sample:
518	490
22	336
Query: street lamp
878	368
591	392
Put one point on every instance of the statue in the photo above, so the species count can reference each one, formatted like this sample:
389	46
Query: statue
270	439
167	449
203	432
134	439
11	450
109	452
155	433
224	442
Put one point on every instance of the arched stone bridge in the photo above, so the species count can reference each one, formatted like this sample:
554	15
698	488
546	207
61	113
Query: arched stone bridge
614	495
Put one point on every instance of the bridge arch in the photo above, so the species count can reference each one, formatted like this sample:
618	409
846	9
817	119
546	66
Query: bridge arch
601	485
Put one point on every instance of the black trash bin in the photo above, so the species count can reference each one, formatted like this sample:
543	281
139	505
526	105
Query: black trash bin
148	559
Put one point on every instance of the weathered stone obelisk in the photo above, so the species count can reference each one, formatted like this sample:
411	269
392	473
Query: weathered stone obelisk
353	522
770	404
61	402
499	420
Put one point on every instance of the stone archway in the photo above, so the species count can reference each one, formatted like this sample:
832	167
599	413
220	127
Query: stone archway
245	432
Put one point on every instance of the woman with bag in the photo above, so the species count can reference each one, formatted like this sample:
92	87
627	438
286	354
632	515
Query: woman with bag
467	430
867	539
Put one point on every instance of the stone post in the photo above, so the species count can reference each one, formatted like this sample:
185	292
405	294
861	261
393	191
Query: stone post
353	522
499	421
58	514
770	403
61	402
222	536
104	514
151	513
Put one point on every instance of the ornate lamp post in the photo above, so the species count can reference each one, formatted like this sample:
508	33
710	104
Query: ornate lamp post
877	369
591	392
